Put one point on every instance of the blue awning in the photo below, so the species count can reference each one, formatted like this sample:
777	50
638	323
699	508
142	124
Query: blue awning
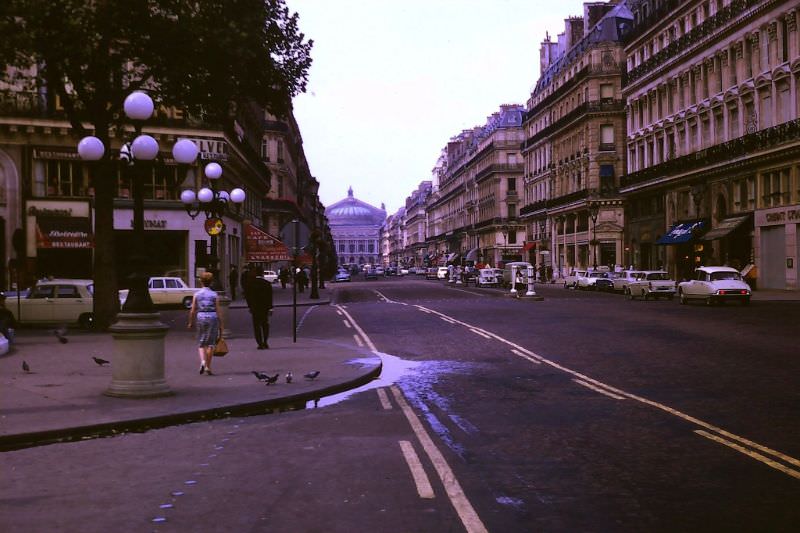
681	232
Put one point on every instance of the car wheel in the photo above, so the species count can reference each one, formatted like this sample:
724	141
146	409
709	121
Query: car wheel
187	302
86	321
682	298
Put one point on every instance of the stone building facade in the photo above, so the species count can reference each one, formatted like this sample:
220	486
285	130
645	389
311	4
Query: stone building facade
713	143
356	231
574	144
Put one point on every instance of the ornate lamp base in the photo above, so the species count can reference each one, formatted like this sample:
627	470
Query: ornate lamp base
138	359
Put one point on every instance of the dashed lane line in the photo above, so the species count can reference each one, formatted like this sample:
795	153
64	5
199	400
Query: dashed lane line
384	399
358	340
469	518
478	332
521	351
421	480
598	389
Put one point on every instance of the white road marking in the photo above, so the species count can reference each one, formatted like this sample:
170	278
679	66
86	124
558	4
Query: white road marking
385	403
347	324
448	320
470	519
358	340
526	356
482	334
421	480
598	389
359	330
338	312
523	352
755	455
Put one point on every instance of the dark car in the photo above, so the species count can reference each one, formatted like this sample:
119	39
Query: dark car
371	274
604	284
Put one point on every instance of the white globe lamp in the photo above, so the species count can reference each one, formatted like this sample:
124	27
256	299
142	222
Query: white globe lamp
237	195
213	171
185	151
205	195
188	197
91	148
144	148
138	106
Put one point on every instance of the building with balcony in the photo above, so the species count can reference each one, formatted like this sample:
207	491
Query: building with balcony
473	209
714	137
415	224
573	150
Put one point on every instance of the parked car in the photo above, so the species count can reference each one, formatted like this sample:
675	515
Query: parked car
624	278
56	301
166	291
651	284
432	273
371	273
379	271
571	281
594	280
271	276
487	277
404	271
342	275
715	284
442	273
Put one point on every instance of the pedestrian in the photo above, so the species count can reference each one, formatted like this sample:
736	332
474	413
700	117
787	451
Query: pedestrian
301	280
205	313
258	295
233	279
283	276
7	320
244	277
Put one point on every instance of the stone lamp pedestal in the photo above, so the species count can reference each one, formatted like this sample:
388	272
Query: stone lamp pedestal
138	360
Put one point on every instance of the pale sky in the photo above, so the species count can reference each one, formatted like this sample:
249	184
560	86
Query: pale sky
393	80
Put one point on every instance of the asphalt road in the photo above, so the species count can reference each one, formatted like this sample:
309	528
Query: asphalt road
584	411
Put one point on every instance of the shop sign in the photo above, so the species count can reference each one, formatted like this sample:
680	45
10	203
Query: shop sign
211	149
778	215
214	226
63	155
153	224
261	247
63	232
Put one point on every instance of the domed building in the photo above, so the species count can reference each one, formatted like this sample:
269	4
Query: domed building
356	230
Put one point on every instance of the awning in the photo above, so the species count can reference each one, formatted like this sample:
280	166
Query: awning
529	246
725	227
63	232
681	232
451	258
261	247
472	255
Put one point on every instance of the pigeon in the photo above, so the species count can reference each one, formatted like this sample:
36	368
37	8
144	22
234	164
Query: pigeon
288	377
312	375
272	379
61	334
260	375
25	366
100	361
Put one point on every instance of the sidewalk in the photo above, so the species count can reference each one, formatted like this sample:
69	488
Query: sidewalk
61	398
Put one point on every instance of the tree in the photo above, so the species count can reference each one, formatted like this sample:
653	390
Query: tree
204	57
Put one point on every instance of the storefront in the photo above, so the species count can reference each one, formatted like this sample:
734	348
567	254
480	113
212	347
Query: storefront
59	239
777	247
686	249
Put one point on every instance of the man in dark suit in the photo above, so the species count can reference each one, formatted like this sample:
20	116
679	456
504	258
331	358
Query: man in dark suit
258	294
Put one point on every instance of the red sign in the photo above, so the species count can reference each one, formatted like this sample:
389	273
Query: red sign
261	247
63	232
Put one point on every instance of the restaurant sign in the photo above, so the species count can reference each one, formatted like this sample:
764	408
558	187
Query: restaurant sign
261	247
63	232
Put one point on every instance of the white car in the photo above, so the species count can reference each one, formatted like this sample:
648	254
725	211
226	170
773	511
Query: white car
56	301
715	284
442	273
590	280
651	284
270	275
166	290
573	278
487	277
625	277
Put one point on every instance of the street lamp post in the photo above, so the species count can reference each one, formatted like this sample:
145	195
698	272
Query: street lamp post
594	211
138	357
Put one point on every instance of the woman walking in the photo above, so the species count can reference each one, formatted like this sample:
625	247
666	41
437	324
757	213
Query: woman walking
206	314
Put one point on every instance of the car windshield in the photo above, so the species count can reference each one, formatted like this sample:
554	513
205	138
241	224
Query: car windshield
716	276
658	276
598	275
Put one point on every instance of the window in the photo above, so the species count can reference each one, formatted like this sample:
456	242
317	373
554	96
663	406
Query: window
607	137
68	291
172	284
512	236
512	184
606	91
59	178
43	291
157	284
512	211
265	149
280	151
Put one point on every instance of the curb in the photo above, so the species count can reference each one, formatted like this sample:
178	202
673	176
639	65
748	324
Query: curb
140	425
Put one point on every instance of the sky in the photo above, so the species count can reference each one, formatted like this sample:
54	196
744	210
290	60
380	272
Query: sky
393	80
